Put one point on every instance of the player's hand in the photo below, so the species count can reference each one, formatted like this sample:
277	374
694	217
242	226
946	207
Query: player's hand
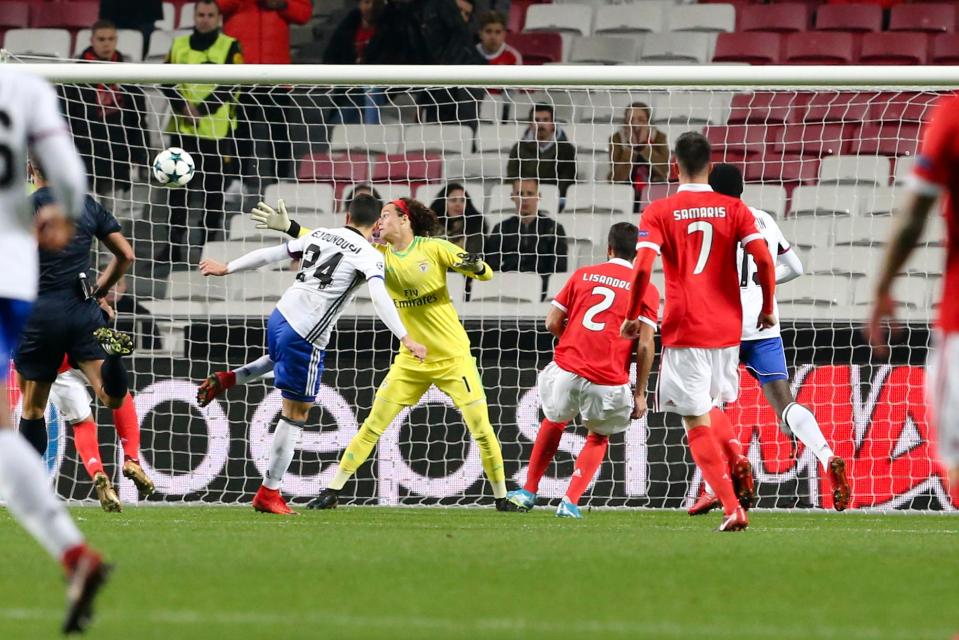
267	217
210	267
766	321
418	350
630	329
108	311
639	404
54	229
883	313
471	262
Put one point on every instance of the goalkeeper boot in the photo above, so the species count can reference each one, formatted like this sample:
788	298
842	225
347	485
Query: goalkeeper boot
840	484
744	485
115	343
86	574
567	509
706	503
328	499
735	521
504	504
270	501
522	498
214	386
134	472
105	493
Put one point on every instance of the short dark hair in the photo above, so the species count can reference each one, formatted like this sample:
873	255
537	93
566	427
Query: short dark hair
213	2
622	240
726	179
102	23
364	210
693	152
492	17
542	106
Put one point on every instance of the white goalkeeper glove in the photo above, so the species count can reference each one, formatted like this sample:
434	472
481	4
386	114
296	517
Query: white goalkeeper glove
266	217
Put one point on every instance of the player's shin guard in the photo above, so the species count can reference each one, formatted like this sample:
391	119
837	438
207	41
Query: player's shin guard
360	447
804	426
476	417
128	428
88	448
115	379
724	436
285	437
34	430
26	489
710	461
545	447
587	463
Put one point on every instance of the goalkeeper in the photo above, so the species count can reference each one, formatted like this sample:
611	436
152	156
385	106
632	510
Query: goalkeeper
416	268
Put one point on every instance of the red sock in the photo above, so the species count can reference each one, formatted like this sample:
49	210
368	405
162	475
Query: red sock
710	461
85	437
723	435
128	428
547	442
587	462
71	556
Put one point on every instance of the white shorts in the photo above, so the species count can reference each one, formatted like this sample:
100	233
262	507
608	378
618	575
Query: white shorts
942	394
693	380
69	395
563	395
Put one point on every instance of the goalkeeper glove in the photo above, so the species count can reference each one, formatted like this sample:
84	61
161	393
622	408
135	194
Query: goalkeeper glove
268	218
471	262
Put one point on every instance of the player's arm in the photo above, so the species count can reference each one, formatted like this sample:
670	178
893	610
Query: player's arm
120	263
450	256
52	147
753	243
250	261
266	217
557	317
788	267
556	321
386	310
642	272
645	352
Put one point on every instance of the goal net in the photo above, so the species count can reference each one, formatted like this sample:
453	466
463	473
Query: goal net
826	158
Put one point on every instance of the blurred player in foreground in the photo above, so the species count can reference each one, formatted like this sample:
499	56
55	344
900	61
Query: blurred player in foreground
764	356
333	264
697	232
589	374
30	116
936	173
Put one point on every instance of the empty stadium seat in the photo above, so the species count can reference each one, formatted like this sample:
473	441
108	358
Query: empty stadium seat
438	138
931	18
604	50
690	109
427	193
816	290
160	44
306	197
926	260
168	21
788	170
851	18
829	200
537	48
741	141
820	47
500	200
556	283
852	261
193	285
336	168
667	48
391	191
481	166
908	292
185	15
888	139
904	166
371	138
711	18
566	18
509	287
894	48
629	19
807	235
855	170
945	49
129	43
586	237
901	107
14	15
784	17
751	48
38	42
815	139
598	198
862	232
590	137
765	107
264	286
64	15
837	107
499	137
770	198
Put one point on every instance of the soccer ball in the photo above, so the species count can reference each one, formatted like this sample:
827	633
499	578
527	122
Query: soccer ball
173	167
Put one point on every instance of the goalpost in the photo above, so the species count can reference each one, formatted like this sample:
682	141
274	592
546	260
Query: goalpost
825	150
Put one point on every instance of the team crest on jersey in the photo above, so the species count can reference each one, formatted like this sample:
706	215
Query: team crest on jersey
424	266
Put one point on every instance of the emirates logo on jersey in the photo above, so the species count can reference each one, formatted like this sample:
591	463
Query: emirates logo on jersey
424	266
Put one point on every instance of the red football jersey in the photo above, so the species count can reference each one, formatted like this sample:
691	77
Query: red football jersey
697	232
506	55
596	301
937	170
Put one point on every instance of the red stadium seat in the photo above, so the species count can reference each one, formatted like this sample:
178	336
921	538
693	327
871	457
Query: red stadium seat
65	15
851	18
14	15
751	48
657	191
777	18
820	47
767	108
888	139
537	48
894	48
788	170
814	139
517	14
741	141
931	18
337	167
838	107
417	168
901	106
945	49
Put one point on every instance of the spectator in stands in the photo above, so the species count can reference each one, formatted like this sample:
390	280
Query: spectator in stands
461	222
530	241
638	153
139	15
203	123
544	153
356	190
107	119
492	44
365	36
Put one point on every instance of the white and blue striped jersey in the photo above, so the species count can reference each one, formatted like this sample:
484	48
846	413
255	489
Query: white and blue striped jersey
750	293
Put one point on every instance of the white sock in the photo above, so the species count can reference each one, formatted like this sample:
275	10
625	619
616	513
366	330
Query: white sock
802	423
499	489
253	370
340	479
30	498
285	437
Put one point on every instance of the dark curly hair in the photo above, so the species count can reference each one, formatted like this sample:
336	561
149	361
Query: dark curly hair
472	222
422	219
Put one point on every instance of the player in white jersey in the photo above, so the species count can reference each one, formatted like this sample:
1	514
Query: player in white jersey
30	118
762	352
334	263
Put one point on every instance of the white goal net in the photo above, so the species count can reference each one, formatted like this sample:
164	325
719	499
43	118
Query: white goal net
827	161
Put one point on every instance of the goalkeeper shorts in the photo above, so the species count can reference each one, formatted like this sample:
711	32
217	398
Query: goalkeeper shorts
408	379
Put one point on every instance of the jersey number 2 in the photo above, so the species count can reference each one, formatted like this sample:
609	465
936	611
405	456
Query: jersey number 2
704	249
324	272
589	319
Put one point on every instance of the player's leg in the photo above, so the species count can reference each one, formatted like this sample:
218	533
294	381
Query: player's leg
218	382
33	425
127	425
942	400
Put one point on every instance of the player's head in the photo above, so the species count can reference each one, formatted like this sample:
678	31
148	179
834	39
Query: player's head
726	179
103	39
362	188
206	16
363	212
622	241
403	218
492	25
637	114
541	119
526	197
693	157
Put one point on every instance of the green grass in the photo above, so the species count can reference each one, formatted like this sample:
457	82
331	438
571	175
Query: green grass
228	574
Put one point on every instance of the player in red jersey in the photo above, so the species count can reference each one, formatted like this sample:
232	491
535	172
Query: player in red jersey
589	374
936	172
698	231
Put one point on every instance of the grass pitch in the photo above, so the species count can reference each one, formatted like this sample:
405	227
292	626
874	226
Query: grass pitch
228	573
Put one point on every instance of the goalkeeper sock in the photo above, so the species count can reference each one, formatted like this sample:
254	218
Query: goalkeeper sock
804	426
724	436
545	447
360	447
85	439
128	428
35	431
114	374
715	470
253	370
25	487
587	463
476	417
285	437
